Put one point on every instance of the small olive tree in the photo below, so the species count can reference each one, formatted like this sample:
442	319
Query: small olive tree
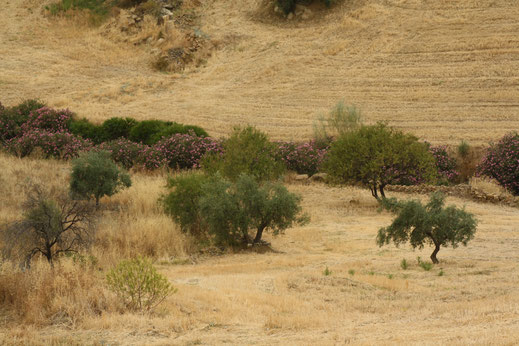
50	226
94	174
430	224
246	151
377	155
232	210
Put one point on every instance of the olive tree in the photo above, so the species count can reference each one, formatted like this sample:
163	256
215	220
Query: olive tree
94	174
246	151
50	226
229	211
427	224
377	155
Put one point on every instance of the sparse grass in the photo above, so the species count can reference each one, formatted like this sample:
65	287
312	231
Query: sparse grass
403	264
327	272
424	265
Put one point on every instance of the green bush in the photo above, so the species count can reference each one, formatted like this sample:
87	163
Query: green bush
146	131
94	174
98	9
427	224
182	203
138	285
115	128
376	156
232	210
176	128
341	120
84	128
12	118
247	151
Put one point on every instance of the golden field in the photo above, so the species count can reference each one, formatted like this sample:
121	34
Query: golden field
444	70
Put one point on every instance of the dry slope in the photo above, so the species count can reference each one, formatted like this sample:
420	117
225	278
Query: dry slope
445	70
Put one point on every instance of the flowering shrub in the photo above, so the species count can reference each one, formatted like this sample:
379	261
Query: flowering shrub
445	164
48	119
123	151
151	158
303	158
12	118
185	150
501	162
61	145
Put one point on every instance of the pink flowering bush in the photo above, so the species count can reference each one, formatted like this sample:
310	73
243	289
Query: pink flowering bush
123	151
445	164
303	158
185	150
150	157
61	145
501	162
48	119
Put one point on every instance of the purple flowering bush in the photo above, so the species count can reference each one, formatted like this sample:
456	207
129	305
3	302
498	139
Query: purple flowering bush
303	158
445	164
123	151
60	145
185	150
501	162
48	119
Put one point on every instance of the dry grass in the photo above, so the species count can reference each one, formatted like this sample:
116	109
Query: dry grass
279	297
444	70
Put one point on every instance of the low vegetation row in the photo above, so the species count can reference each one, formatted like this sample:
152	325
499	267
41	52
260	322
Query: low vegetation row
341	144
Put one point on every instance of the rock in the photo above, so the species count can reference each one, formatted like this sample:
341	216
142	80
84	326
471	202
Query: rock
160	40
319	177
277	9
290	16
166	12
306	15
301	177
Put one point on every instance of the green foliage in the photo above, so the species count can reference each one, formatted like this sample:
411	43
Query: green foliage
403	264
98	9
351	272
174	128
182	202
139	286
341	120
12	118
327	272
115	128
87	130
375	156
463	149
94	174
231	210
247	151
430	224
441	272
424	265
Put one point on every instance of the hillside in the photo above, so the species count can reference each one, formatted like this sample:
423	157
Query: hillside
445	70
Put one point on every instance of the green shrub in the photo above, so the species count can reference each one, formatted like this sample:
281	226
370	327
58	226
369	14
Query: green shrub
288	6
247	151
94	174
376	156
12	118
182	203
403	264
424	265
231	210
146	131
138	285
85	129
115	128
463	149
176	128
427	224
341	120
98	9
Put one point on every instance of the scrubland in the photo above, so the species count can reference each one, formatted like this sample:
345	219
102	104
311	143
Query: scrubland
443	70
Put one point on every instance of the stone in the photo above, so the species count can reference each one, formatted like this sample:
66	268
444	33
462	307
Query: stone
318	177
301	177
290	16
